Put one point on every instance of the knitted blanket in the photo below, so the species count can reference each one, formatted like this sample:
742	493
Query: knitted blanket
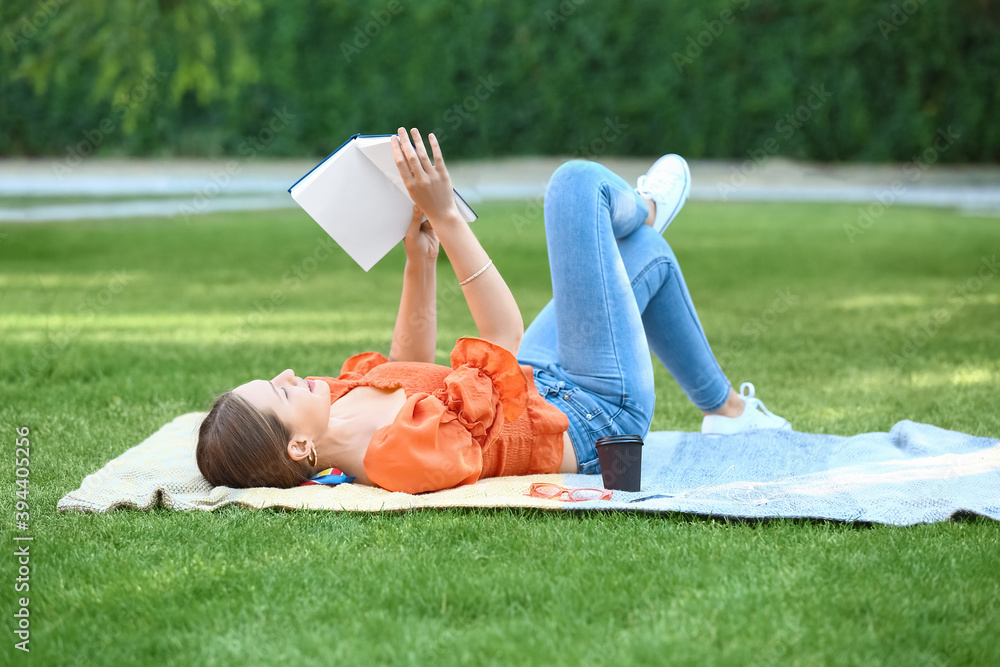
915	473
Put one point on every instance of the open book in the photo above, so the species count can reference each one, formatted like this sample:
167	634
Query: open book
357	195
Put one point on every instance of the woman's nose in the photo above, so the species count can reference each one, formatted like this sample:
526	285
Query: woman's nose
287	375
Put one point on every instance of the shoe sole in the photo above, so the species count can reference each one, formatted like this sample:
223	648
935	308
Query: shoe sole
785	427
687	188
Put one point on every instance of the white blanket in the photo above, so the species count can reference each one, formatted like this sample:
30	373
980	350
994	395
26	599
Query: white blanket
916	473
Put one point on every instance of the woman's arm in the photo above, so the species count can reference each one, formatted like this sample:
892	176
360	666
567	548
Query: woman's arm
415	335
491	303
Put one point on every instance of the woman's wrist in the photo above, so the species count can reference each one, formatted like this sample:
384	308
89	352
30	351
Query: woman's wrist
420	265
446	219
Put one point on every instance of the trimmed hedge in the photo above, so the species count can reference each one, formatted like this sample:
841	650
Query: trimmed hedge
813	79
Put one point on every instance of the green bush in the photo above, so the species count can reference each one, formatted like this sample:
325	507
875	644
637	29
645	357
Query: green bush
710	79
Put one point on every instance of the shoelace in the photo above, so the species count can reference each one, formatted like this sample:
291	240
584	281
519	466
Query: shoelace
752	402
666	179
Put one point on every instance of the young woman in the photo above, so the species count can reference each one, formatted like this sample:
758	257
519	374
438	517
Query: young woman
512	402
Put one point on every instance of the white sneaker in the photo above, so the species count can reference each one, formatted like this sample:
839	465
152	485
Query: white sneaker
755	416
668	183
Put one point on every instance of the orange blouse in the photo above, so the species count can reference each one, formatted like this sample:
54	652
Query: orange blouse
483	417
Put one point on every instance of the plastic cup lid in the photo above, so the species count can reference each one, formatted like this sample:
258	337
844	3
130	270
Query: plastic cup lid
619	440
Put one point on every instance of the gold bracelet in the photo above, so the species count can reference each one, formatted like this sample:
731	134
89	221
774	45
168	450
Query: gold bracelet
476	274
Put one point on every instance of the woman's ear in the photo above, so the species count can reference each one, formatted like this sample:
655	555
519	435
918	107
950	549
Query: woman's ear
299	449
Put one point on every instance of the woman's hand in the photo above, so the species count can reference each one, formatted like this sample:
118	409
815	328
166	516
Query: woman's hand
428	184
490	301
421	242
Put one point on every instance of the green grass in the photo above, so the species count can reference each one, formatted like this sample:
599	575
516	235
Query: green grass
94	364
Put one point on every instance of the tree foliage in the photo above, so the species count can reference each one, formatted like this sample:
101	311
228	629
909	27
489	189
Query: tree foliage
850	80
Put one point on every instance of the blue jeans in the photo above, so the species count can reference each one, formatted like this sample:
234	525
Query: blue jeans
617	293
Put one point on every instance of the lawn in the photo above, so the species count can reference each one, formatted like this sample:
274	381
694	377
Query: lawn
110	329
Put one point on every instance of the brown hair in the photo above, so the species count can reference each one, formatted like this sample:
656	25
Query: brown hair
241	446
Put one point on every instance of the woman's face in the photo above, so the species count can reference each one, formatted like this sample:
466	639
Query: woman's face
302	405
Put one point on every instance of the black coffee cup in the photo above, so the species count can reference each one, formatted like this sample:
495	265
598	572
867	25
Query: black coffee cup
621	461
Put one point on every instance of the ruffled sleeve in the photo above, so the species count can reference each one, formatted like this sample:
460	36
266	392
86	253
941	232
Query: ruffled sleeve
437	439
353	369
360	364
425	448
480	369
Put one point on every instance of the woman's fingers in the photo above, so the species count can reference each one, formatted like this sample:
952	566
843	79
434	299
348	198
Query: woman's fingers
400	159
425	160
436	150
412	161
414	155
427	183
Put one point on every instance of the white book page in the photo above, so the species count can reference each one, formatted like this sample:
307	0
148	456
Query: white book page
379	151
318	171
354	203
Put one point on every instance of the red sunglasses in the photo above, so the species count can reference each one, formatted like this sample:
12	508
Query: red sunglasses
556	492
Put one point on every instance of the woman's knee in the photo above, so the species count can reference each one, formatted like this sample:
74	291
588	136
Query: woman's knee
575	174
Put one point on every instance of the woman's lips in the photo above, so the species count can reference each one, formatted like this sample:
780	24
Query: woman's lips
312	386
